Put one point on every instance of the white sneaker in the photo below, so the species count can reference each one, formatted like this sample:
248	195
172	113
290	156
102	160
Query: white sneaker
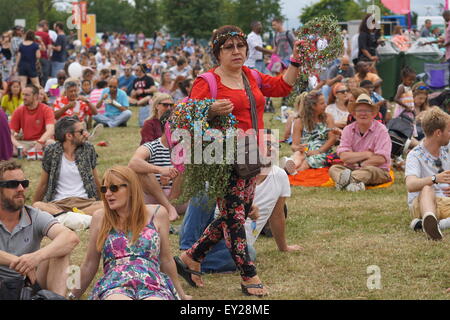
288	164
96	131
356	186
431	227
344	179
416	225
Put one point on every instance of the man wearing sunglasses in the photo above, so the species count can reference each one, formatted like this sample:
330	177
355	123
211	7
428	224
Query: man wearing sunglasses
116	102
21	230
340	72
427	175
69	177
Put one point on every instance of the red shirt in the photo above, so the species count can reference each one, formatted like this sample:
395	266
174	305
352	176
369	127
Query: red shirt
80	110
47	41
271	87
32	122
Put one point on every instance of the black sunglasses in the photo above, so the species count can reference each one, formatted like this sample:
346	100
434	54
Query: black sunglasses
81	131
14	184
168	105
438	163
113	188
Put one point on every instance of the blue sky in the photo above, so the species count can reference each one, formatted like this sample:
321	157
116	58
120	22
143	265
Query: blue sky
292	9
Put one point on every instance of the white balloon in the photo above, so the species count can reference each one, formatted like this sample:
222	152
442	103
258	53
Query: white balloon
75	70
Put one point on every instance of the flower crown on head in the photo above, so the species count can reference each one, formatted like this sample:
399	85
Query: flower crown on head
229	34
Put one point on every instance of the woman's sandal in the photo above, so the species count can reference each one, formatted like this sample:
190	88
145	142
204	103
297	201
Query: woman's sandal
245	288
185	272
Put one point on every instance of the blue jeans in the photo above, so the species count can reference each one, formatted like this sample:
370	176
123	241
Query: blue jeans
113	121
260	66
197	217
144	113
57	66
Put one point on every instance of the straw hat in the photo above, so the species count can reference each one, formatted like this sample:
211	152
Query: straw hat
363	99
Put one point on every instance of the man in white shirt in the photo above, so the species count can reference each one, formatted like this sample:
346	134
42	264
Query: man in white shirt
427	175
69	178
272	189
104	64
181	69
255	48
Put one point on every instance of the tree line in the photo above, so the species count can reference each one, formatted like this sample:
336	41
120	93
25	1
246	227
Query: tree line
196	18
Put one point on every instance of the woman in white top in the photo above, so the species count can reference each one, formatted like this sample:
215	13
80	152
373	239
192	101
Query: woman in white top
337	104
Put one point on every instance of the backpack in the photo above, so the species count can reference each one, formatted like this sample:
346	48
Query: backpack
211	79
400	130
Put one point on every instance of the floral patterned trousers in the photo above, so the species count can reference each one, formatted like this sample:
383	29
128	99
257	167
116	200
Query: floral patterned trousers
229	225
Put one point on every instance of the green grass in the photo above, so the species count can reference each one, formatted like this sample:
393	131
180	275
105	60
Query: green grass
341	233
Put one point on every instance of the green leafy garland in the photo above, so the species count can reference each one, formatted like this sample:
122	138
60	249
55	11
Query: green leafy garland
320	42
192	116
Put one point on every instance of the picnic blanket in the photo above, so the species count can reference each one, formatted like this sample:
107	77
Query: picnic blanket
321	178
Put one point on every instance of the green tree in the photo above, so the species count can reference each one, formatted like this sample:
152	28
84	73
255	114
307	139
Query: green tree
197	18
112	15
261	10
147	17
343	10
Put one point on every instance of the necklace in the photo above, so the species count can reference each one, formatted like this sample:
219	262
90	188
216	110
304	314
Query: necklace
238	83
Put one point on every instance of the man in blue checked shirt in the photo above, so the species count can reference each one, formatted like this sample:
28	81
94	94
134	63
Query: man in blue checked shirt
116	102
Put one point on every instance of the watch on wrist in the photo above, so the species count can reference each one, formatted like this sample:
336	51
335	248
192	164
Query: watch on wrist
434	179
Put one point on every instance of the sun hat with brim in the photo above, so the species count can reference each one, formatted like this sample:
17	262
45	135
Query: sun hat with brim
363	99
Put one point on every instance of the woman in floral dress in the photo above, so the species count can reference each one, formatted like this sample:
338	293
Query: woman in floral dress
312	137
133	241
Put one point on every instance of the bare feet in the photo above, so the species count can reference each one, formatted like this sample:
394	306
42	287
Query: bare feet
193	265
255	291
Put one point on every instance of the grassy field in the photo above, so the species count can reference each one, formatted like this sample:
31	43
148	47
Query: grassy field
342	235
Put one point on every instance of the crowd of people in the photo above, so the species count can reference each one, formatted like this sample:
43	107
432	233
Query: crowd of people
56	96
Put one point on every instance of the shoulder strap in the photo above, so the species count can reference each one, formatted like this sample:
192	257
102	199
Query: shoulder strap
257	77
154	213
211	79
289	40
251	97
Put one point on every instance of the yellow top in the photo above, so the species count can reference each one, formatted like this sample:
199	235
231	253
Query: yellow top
9	105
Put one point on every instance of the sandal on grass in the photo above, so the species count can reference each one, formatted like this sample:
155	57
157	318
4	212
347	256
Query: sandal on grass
185	272
245	288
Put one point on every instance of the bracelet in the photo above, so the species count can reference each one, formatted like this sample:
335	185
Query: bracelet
40	142
292	59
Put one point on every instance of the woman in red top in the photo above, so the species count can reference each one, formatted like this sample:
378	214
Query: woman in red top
152	126
231	49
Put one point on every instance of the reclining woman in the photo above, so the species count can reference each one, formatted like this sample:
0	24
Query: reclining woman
133	241
313	136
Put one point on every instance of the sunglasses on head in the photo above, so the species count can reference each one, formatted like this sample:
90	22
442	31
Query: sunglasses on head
113	188
14	184
438	163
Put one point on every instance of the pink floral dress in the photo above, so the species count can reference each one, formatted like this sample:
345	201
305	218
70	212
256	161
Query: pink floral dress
133	270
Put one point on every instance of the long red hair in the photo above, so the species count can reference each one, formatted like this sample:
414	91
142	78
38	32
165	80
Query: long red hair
137	219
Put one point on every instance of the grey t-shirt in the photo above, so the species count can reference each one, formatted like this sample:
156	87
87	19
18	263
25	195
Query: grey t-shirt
26	236
421	163
284	41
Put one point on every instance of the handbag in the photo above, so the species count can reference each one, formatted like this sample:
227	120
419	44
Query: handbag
22	289
246	166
